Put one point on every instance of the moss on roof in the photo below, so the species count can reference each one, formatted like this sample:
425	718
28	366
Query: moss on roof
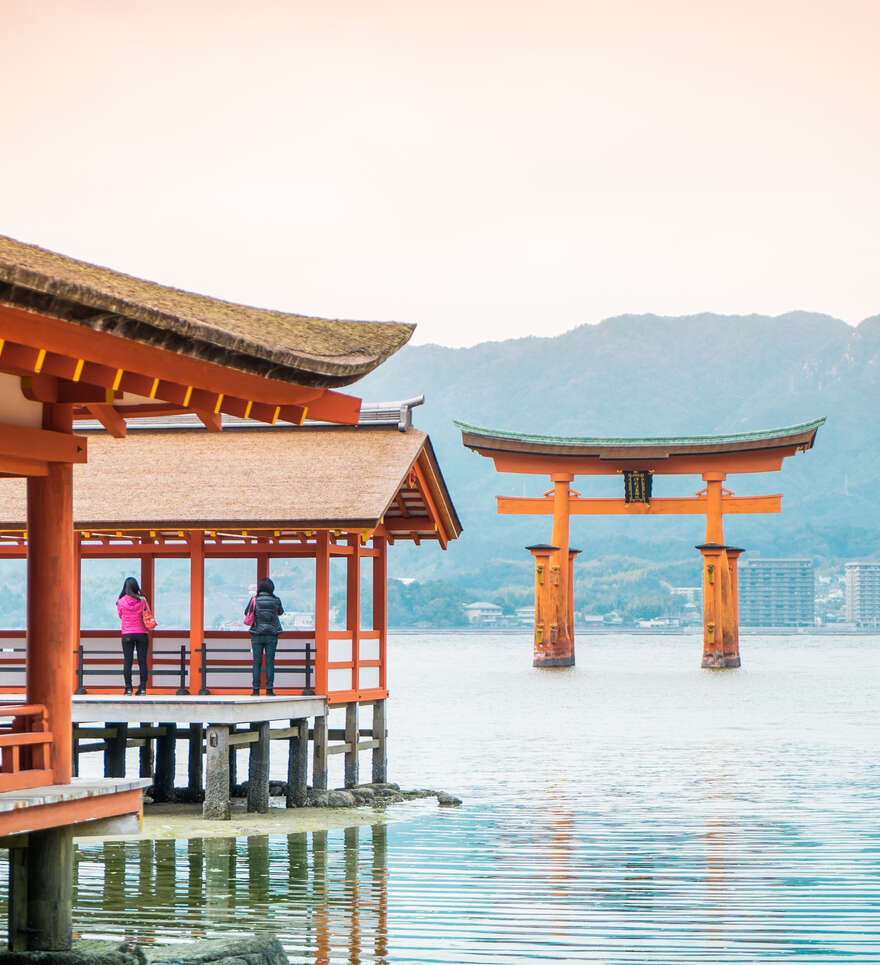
291	348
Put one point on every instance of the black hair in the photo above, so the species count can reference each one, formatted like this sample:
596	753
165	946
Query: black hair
266	586
130	587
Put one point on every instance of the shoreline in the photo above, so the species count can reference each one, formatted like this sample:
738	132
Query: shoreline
163	822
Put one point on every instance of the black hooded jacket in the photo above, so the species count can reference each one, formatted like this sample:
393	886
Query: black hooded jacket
267	609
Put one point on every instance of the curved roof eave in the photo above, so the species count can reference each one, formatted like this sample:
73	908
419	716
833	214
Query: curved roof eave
293	348
475	438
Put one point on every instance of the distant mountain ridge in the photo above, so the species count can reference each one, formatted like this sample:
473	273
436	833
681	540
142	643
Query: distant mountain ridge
648	375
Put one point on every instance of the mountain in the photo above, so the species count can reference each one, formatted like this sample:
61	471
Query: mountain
645	375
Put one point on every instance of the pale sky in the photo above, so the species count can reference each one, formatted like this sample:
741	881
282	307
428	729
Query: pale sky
484	169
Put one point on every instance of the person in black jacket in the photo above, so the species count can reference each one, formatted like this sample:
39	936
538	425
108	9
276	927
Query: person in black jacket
264	633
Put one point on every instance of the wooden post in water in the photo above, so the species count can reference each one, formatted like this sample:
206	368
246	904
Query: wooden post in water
49	859
258	770
114	750
145	754
166	759
195	770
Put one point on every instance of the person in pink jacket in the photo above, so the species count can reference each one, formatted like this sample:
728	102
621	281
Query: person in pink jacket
130	605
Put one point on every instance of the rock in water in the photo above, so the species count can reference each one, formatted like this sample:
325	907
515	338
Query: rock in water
447	800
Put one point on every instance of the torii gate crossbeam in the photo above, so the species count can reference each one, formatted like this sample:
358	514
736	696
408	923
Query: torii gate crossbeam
638	460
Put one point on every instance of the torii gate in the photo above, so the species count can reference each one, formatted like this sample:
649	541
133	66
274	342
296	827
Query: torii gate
638	461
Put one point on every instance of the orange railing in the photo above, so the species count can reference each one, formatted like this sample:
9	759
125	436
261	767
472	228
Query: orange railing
24	747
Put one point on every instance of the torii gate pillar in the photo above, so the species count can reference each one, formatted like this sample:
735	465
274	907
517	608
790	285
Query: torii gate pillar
554	614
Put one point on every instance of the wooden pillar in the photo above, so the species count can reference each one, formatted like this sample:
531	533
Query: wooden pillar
380	734
560	645
714	519
166	759
380	604
322	611
714	613
572	555
216	804
298	765
194	769
732	636
145	754
319	754
351	739
262	566
233	766
258	770
114	750
542	655
52	631
196	609
148	588
353	606
77	604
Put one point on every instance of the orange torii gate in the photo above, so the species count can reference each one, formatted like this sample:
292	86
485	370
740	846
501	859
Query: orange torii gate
638	460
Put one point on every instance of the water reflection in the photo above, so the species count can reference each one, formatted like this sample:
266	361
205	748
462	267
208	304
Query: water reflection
324	893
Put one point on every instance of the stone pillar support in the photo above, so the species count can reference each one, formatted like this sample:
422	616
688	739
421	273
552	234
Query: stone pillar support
216	803
352	736
380	734
258	770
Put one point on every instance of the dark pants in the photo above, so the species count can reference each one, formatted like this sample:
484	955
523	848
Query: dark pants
130	641
264	643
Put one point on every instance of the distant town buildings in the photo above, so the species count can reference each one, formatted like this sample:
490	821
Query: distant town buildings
863	594
483	614
776	593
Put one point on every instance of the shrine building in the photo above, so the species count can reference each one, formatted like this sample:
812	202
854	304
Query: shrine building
83	346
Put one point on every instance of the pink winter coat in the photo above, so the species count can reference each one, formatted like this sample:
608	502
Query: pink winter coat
131	612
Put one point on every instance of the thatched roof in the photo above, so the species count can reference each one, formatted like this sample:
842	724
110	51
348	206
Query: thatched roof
291	348
321	477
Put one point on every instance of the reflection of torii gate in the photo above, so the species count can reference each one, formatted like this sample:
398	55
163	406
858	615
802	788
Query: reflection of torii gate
638	460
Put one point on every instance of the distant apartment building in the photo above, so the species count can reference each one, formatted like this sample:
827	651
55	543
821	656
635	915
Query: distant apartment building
863	594
777	593
482	613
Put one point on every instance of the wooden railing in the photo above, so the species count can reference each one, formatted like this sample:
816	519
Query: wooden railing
24	747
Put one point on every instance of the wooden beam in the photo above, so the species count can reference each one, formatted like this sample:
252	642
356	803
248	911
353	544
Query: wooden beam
210	420
109	418
756	460
15	466
80	342
662	506
41	444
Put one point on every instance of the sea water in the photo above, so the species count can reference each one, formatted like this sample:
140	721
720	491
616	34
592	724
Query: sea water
632	809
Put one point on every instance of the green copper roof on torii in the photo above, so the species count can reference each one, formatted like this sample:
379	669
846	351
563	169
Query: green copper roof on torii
783	434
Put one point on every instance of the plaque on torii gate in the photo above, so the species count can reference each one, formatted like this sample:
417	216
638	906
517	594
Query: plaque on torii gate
637	461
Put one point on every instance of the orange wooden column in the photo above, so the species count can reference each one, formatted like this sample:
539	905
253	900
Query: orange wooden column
52	630
732	639
542	654
572	555
380	603
353	607
561	635
77	602
148	588
713	606
196	609
322	612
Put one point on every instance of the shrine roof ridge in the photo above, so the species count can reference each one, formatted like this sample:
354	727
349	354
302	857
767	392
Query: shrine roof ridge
294	348
594	442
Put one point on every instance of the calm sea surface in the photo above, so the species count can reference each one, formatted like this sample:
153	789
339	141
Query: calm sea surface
634	809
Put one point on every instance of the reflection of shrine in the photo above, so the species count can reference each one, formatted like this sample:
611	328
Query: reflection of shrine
323	893
637	461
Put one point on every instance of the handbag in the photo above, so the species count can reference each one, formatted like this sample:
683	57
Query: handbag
249	612
149	619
